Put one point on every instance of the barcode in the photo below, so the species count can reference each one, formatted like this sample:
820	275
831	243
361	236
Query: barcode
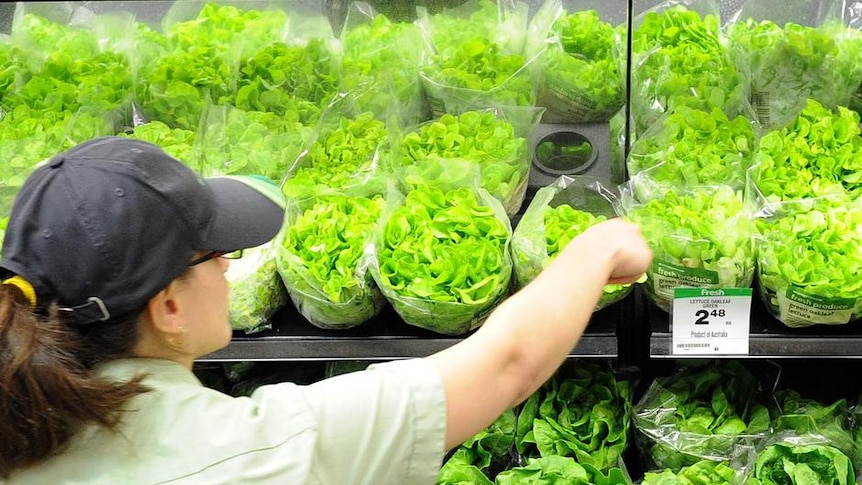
762	108
692	346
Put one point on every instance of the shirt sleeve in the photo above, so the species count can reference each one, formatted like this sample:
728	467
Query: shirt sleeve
385	425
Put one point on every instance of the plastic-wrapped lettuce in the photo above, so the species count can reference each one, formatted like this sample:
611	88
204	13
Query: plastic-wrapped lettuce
256	291
701	237
556	215
345	156
679	58
453	149
442	258
475	57
688	146
818	154
809	257
803	416
793	62
381	60
709	411
576	72
321	259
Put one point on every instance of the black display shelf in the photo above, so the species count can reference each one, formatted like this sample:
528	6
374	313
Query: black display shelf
385	337
769	338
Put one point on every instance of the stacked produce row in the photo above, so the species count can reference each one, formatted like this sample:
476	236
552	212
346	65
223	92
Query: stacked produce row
744	162
706	423
743	155
399	148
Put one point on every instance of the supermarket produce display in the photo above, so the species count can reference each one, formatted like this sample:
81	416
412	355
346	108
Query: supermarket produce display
728	176
433	157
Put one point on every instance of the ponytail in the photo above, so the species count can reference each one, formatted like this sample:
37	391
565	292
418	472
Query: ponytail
47	385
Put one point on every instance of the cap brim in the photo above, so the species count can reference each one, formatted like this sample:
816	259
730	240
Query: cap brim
247	213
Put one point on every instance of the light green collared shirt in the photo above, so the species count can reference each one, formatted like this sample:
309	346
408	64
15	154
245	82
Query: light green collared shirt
385	425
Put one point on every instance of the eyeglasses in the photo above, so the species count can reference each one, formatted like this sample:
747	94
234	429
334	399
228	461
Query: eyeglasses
217	254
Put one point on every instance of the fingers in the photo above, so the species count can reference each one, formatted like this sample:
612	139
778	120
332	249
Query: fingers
631	253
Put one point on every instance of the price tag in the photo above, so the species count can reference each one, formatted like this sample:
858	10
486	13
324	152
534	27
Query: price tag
710	321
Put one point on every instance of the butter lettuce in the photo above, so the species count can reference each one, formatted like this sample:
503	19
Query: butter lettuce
321	259
442	258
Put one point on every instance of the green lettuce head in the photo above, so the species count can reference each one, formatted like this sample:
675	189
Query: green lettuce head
442	258
321	259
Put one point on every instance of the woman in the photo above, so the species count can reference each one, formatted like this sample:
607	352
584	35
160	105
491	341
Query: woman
113	284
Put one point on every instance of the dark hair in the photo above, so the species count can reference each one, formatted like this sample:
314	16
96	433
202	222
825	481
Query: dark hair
47	385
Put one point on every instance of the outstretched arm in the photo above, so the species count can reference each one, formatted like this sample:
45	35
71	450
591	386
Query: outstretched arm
525	340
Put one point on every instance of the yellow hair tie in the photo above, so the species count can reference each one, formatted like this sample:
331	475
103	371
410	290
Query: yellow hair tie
25	288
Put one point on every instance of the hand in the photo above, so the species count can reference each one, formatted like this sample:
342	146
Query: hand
630	255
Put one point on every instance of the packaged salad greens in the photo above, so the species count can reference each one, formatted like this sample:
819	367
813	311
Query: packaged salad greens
256	291
809	260
556	215
575	70
442	258
701	237
381	61
321	258
689	146
345	153
199	65
818	154
789	458
679	58
487	148
585	414
703	411
474	57
795	55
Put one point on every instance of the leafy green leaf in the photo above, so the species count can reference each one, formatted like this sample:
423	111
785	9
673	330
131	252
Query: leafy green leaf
443	258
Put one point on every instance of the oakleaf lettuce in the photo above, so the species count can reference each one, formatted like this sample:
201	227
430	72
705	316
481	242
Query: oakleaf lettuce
381	63
177	142
701	237
818	154
442	258
792	63
321	259
556	215
679	59
576	73
809	261
476	59
689	147
479	141
347	154
256	290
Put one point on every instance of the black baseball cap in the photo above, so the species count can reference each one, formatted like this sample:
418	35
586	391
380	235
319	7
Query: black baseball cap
104	226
